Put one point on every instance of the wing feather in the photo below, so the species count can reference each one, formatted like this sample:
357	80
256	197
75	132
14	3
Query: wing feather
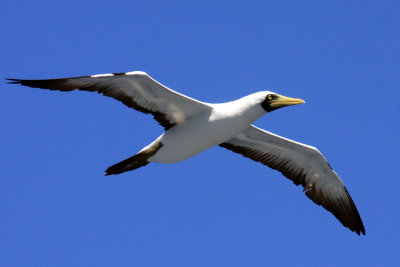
303	165
135	89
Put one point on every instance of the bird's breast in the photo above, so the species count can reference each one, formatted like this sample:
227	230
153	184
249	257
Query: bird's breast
196	135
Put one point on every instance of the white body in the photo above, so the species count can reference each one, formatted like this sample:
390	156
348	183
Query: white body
193	126
210	128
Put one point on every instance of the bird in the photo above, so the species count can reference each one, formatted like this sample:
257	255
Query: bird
192	126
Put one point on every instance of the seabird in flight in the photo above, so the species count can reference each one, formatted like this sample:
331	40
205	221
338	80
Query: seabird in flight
192	126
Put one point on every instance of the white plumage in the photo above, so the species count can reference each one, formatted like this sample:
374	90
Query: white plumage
192	126
215	124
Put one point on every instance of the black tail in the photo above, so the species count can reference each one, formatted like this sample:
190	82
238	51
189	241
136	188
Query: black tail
134	162
129	164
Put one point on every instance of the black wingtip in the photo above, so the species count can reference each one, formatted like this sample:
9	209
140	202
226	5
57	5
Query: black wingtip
110	172
13	81
358	227
362	230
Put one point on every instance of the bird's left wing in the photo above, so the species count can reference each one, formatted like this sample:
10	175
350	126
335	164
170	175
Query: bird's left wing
303	165
135	89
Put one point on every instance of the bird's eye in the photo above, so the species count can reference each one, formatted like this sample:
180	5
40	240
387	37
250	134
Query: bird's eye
270	97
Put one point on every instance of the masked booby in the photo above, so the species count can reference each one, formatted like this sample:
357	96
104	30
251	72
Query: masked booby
192	126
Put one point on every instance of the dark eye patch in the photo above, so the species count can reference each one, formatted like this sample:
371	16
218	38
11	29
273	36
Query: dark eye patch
270	97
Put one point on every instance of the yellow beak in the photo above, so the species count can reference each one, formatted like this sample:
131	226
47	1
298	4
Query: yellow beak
283	101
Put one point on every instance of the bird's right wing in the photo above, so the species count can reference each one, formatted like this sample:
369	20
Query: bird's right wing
135	89
303	165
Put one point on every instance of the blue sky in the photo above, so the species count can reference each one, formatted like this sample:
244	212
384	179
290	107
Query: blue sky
217	208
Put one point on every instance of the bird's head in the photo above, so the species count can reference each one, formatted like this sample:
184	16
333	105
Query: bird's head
272	101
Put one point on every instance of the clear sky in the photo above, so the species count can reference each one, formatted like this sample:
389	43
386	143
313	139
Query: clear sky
217	208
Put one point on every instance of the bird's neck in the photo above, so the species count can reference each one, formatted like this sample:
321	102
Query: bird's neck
245	108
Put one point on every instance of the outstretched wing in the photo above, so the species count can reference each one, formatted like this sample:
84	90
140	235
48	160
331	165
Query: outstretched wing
303	165
135	89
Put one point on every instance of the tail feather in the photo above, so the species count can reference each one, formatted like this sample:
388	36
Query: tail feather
129	164
134	162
